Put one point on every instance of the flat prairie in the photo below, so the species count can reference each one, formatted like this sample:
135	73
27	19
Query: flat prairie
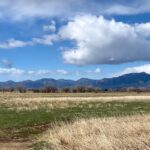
75	121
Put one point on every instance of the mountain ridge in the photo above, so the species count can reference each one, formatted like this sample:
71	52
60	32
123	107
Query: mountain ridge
127	80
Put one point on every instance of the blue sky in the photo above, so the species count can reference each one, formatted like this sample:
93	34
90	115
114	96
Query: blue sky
73	39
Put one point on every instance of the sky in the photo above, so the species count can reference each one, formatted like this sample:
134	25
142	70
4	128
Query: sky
73	39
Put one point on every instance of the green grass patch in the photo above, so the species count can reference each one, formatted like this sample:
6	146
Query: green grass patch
23	124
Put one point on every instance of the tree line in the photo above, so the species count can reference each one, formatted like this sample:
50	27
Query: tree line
51	89
78	89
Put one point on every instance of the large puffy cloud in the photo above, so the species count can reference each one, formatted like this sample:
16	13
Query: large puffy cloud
21	9
101	41
97	41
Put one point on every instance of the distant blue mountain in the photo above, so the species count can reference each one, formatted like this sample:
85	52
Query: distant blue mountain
127	80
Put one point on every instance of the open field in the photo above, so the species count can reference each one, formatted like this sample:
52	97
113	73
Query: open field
34	118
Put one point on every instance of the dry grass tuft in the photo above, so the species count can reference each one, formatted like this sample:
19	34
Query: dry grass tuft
124	133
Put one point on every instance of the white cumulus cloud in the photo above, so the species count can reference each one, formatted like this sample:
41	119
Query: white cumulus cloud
102	41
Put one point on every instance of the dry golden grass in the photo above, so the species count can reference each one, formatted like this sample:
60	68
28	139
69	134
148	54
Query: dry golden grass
33	101
61	102
124	133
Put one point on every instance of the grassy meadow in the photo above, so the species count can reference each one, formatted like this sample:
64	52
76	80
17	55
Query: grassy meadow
80	121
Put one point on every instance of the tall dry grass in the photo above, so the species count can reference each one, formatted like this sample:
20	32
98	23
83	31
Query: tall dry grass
30	101
124	133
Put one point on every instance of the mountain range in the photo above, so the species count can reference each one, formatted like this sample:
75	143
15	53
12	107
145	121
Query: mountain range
137	80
